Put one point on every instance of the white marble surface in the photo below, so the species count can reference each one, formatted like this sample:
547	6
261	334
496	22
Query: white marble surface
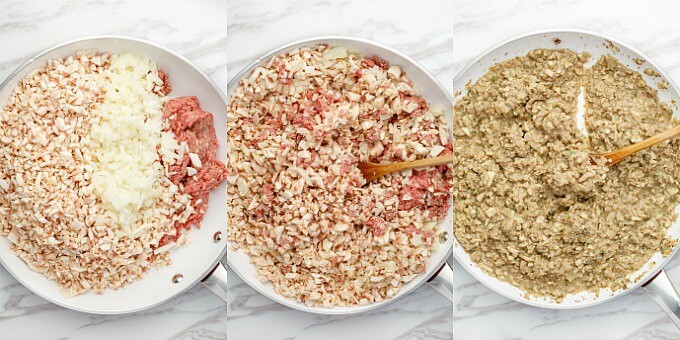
652	27
197	30
422	29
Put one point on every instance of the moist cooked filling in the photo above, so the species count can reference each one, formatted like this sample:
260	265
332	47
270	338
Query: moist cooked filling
531	209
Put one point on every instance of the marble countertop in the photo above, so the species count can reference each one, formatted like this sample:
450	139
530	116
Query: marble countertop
651	27
257	26
27	27
420	29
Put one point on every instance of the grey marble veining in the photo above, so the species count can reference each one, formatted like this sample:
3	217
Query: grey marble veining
421	29
421	315
649	26
194	28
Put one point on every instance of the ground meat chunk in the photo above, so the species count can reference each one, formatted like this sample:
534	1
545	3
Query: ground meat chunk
195	127
163	91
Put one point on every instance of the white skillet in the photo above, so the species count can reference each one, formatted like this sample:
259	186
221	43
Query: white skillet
198	262
438	274
654	280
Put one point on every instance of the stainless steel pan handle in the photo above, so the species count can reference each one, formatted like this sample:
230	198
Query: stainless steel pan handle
442	281
662	291
216	281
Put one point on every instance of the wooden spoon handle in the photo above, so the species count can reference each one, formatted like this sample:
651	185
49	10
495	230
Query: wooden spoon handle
618	155
421	163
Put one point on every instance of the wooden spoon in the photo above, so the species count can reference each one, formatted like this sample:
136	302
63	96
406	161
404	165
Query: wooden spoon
372	171
618	155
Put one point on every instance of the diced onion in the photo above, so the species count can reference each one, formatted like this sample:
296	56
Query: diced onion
126	140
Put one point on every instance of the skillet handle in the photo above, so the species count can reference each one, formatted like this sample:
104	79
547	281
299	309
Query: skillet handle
442	281
661	290
216	281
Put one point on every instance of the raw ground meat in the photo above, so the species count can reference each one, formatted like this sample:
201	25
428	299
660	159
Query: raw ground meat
163	91
194	126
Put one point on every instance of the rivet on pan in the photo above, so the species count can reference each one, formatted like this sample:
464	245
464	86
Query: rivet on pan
177	278
443	236
217	237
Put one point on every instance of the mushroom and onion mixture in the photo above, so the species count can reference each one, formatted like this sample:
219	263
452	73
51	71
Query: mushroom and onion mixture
531	209
298	204
96	183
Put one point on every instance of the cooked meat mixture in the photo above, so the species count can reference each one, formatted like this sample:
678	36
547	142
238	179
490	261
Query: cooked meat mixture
530	208
298	204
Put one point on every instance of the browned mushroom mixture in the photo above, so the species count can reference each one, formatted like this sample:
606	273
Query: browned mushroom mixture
530	208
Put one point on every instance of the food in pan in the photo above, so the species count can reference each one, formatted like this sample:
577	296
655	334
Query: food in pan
101	174
297	202
530	208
